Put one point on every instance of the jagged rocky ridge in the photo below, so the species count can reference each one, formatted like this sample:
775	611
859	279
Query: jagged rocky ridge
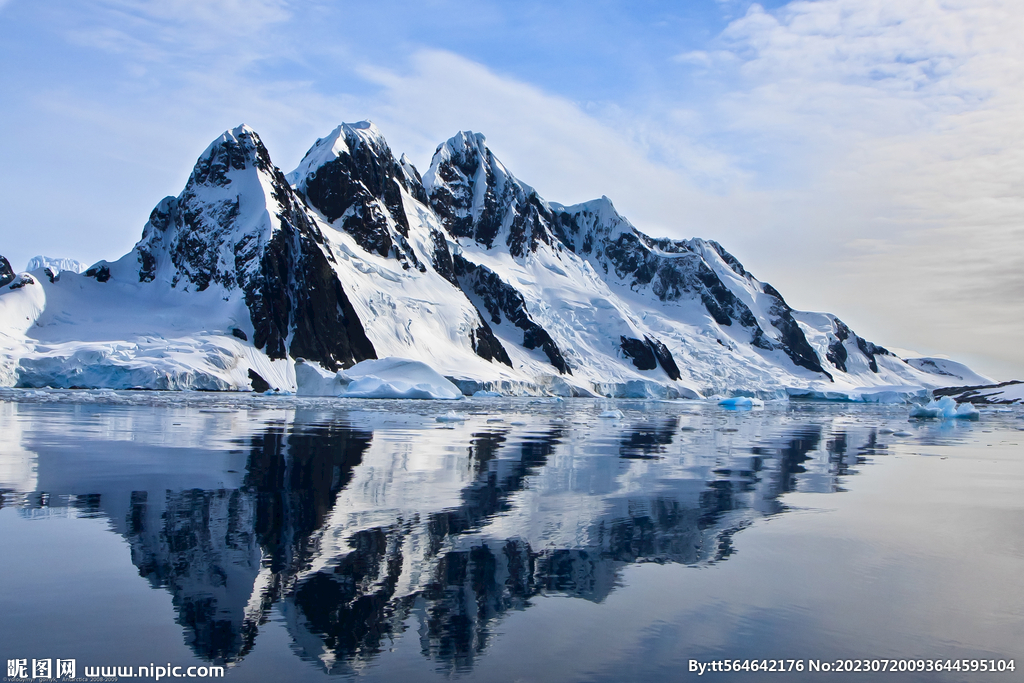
6	273
355	255
277	261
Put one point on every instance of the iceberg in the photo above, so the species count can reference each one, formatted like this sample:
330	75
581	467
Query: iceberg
389	377
741	402
945	408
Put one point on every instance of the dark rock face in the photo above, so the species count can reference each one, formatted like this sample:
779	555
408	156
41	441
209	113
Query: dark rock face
639	352
793	341
481	214
300	292
258	383
442	257
871	350
683	272
665	359
733	262
487	346
23	281
499	298
633	259
477	198
648	354
100	272
356	189
285	275
413	181
163	217
837	353
6	272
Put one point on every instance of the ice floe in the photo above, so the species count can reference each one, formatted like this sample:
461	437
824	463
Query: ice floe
945	408
741	402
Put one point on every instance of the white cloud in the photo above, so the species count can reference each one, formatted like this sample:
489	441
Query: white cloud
912	109
863	156
544	139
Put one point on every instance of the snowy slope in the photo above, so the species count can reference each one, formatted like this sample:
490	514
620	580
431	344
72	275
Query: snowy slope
627	312
986	394
353	256
393	256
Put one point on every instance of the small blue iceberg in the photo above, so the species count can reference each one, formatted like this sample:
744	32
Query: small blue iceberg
945	408
741	402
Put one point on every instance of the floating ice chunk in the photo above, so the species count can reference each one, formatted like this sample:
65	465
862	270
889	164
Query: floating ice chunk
741	402
886	430
390	377
312	380
613	414
902	433
451	416
517	423
967	411
945	408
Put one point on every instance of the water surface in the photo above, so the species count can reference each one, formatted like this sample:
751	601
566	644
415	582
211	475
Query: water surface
295	539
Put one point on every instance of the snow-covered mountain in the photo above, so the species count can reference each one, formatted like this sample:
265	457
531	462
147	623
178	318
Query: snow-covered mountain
56	264
355	256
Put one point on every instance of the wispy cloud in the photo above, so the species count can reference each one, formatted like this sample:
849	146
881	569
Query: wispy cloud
912	108
862	155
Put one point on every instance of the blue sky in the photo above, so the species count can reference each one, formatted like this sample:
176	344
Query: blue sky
863	156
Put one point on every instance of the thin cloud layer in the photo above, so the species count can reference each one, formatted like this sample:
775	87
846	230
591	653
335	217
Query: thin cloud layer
918	105
863	156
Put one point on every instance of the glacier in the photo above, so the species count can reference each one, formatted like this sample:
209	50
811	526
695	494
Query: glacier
463	277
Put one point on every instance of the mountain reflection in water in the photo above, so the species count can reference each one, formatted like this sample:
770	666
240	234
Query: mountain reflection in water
359	526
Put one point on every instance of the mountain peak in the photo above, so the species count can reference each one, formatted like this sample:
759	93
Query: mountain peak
234	150
468	140
465	149
469	269
55	264
344	139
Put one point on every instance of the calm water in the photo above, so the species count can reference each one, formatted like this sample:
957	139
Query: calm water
296	539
